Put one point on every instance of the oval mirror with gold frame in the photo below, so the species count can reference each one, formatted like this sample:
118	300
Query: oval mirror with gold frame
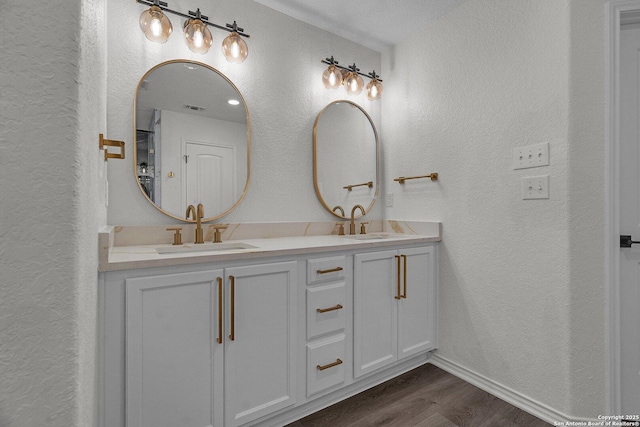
345	158
192	140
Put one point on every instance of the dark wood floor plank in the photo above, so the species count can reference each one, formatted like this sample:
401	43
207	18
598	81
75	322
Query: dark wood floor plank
424	397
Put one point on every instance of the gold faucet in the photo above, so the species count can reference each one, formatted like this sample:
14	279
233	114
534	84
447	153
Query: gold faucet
339	208
217	233
197	215
352	226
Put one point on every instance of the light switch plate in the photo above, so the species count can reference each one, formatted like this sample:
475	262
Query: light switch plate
389	202
531	156
535	187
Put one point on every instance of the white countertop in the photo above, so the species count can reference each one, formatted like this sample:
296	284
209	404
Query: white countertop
114	258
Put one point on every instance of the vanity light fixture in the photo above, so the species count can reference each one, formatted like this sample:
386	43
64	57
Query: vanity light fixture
233	47
157	27
336	75
374	87
154	24
332	77
196	33
353	82
233	102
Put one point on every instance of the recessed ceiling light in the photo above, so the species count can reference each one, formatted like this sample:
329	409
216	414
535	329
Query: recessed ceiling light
233	102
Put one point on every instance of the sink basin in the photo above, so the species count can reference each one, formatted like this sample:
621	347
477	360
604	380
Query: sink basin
374	236
205	247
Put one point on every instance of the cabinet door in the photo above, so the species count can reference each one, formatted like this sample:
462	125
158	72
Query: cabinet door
174	362
417	307
375	311
260	349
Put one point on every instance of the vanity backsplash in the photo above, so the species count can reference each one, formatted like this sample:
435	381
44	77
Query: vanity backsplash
158	234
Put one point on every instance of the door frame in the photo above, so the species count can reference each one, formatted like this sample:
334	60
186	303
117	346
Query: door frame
614	9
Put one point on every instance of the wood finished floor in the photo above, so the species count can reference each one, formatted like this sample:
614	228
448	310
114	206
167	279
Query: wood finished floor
424	397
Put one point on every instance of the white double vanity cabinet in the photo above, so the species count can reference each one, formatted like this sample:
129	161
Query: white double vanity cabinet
260	336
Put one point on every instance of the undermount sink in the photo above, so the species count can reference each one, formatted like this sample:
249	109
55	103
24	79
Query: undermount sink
374	236
205	247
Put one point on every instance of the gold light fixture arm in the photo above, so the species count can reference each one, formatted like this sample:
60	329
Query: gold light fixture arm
350	187
111	143
432	176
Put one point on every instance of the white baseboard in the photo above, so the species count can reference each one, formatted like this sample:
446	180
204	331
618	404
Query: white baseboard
517	399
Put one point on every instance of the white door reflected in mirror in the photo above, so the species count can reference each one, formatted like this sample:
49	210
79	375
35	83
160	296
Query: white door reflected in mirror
193	141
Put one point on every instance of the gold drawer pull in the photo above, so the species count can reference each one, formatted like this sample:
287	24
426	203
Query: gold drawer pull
399	294
330	365
324	310
219	310
333	270
404	257
232	336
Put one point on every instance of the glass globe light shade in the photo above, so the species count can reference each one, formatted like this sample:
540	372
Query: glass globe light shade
197	36
354	84
374	90
155	25
332	77
234	48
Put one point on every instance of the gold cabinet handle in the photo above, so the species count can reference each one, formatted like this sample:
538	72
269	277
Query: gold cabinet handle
404	257
333	270
219	310
324	310
232	336
330	365
399	294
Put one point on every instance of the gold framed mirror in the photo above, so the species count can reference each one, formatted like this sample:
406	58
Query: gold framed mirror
345	158
192	140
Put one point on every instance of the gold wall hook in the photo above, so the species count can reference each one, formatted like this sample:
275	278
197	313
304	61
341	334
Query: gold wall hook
432	176
111	143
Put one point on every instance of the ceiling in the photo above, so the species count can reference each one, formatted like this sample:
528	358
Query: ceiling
376	24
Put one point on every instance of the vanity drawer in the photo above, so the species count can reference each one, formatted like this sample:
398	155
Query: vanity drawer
325	269
325	364
326	307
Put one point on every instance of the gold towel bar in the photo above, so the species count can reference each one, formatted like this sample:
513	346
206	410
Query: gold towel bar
432	176
350	187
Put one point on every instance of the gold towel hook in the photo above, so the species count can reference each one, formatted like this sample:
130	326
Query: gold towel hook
111	143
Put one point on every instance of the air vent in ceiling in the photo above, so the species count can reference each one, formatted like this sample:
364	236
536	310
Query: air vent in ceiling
194	107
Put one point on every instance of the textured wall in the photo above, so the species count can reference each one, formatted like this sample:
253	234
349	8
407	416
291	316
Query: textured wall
586	196
521	297
281	83
49	110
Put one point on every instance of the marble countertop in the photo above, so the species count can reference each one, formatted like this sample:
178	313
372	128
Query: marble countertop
113	258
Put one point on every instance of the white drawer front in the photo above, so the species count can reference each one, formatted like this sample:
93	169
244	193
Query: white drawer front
325	269
326	306
325	364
